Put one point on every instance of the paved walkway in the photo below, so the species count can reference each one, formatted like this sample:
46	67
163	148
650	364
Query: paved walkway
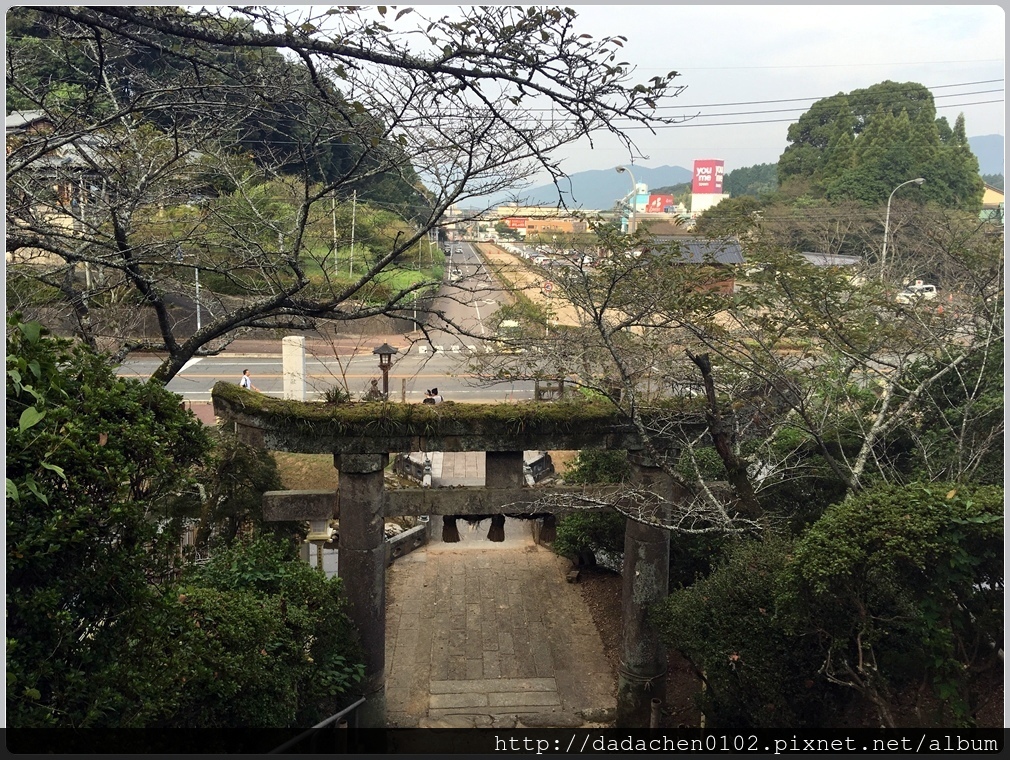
462	468
482	634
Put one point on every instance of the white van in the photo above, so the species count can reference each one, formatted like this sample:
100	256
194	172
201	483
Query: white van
918	292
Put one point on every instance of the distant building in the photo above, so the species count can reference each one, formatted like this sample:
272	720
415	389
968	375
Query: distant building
706	188
992	206
723	255
540	220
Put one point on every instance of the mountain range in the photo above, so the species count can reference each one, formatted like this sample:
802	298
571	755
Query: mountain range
989	151
600	189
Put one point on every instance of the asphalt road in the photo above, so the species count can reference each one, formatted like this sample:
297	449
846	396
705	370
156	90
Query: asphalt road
410	375
441	361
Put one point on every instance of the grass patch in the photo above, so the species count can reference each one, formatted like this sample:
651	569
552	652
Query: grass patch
303	472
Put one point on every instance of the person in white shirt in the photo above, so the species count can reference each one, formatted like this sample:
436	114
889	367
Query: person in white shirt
246	382
436	396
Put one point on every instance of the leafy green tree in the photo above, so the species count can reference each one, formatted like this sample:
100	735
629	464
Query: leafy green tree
861	145
234	477
95	466
959	434
733	216
758	180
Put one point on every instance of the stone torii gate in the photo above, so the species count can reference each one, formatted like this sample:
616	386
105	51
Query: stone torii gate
361	436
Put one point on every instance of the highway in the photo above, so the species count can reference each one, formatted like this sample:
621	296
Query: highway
440	363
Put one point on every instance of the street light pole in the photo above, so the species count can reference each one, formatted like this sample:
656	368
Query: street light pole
887	221
634	198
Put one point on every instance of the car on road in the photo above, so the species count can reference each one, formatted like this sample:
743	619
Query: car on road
455	275
459	249
915	293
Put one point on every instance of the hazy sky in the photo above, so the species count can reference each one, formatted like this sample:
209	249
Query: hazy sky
746	53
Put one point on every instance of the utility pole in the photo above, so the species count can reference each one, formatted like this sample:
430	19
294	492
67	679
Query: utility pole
354	210
196	275
333	216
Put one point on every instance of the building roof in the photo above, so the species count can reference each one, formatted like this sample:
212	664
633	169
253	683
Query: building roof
17	121
831	259
699	250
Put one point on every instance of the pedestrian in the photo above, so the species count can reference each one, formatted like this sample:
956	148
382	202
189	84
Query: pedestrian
247	383
427	397
436	397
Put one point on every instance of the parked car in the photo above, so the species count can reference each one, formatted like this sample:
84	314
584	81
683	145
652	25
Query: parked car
918	292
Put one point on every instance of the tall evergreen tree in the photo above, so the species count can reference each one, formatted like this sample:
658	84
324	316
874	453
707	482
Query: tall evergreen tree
860	146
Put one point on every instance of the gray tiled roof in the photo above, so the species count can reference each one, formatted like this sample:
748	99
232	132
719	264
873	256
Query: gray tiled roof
699	250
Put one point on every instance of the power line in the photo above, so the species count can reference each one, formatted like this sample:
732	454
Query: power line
793	110
798	100
825	65
658	127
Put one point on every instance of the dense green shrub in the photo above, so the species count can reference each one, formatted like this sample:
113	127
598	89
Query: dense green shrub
98	634
598	466
95	464
234	477
898	584
725	624
259	639
582	534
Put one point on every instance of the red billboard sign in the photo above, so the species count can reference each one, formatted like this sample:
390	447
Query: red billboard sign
516	223
658	204
707	176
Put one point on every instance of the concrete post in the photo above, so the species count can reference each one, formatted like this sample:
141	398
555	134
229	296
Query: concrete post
363	569
293	356
645	581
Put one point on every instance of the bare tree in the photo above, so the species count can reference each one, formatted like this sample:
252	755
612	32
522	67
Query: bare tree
799	361
161	146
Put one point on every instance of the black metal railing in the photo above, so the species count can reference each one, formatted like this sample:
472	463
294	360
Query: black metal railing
327	735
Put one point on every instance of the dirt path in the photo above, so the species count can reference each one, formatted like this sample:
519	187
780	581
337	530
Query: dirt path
515	273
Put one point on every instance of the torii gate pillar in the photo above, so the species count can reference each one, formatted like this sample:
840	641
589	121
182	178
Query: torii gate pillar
363	569
645	581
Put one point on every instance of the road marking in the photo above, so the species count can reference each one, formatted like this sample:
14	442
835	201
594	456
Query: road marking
190	363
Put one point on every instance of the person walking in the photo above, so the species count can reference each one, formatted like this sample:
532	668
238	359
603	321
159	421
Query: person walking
247	383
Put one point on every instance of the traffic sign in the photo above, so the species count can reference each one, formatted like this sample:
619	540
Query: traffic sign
548	287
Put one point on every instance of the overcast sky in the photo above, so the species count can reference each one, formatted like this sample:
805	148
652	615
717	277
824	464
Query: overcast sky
746	53
738	61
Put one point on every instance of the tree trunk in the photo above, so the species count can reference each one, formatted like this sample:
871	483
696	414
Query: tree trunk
722	436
